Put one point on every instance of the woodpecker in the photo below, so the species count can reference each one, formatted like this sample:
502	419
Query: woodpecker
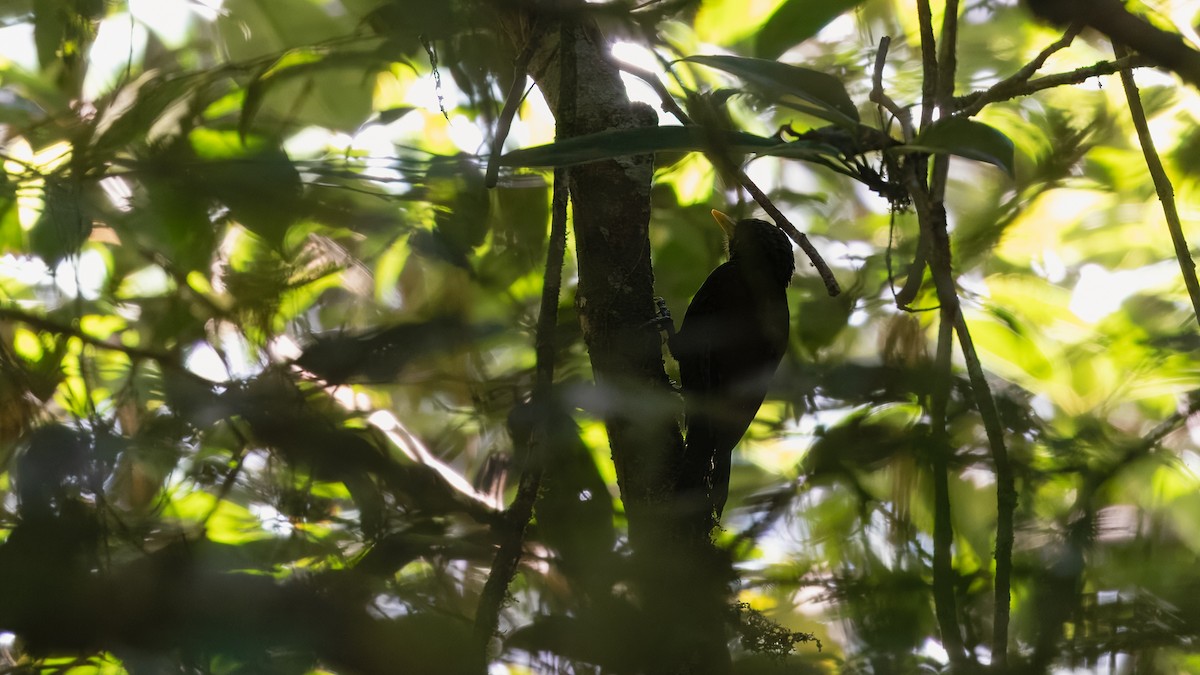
733	336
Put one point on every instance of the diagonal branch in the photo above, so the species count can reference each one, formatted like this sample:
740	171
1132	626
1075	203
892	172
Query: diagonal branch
516	518
972	103
1162	184
668	103
1163	48
516	94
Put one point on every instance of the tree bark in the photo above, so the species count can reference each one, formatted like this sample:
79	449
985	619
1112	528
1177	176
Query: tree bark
681	580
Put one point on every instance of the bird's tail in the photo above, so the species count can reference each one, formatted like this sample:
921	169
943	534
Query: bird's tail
704	480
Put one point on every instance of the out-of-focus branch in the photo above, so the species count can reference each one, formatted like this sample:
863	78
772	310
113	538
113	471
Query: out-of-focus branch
944	602
972	103
1163	48
1162	184
51	326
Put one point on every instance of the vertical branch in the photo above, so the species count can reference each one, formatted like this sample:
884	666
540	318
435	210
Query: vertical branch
516	518
944	92
1006	491
929	62
947	59
679	578
931	212
1162	183
943	532
932	217
943	527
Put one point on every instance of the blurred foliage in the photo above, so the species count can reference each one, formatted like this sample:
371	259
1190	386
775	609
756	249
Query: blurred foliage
262	327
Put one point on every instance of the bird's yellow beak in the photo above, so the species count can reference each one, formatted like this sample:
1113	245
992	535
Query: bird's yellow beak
727	224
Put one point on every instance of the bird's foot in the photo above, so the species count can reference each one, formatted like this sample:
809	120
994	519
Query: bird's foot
662	320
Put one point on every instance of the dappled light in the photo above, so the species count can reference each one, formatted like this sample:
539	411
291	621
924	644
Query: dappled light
379	336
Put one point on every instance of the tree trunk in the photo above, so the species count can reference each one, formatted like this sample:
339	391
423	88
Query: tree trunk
681	581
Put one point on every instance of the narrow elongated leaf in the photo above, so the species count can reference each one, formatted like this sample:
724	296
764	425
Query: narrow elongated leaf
640	141
802	149
149	99
966	138
819	94
315	66
796	21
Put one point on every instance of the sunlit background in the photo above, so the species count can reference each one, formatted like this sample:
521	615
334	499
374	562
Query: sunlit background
1069	282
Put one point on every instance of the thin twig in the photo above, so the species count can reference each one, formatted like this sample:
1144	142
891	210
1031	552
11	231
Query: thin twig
731	168
932	217
1162	183
972	103
516	94
831	283
929	64
943	529
1006	493
947	56
665	99
1022	76
944	602
879	97
944	93
516	518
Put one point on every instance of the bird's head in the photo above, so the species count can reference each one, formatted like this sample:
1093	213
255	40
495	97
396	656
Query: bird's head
759	244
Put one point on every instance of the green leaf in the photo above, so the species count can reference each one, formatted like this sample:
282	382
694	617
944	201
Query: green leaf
803	149
640	141
457	188
152	98
175	216
49	27
12	237
10	9
256	181
966	138
518	219
336	79
796	21
1011	353
64	225
810	91
333	92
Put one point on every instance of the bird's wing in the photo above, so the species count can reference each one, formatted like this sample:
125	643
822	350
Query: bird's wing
703	326
728	347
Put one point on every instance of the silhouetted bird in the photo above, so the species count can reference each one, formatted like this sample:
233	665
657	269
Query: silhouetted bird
733	336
